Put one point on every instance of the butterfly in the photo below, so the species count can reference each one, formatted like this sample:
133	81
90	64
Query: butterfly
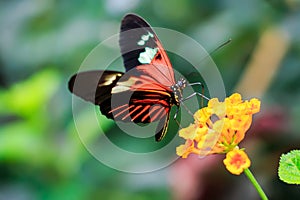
146	91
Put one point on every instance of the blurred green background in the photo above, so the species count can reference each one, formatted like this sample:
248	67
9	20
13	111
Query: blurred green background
42	43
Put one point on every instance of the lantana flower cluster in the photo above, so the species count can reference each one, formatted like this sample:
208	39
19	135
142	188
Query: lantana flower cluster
219	128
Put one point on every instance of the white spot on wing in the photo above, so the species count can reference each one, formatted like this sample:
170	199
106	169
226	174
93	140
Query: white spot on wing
150	34
147	56
144	39
123	86
119	88
141	42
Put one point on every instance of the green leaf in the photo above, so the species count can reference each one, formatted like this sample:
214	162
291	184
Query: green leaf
27	98
289	167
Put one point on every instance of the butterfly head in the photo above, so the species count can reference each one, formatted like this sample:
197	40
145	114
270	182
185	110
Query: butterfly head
181	83
177	89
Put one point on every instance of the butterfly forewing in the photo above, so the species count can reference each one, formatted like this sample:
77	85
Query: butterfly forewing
140	46
94	86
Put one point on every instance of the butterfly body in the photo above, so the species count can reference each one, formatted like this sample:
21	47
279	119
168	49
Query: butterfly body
146	91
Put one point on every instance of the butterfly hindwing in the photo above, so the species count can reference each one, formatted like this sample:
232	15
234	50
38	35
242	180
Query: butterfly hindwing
162	127
143	107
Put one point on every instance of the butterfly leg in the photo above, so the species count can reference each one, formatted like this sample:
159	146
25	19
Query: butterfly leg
202	90
185	107
175	117
176	113
197	83
194	94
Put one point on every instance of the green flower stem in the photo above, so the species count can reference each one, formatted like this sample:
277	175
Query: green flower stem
255	184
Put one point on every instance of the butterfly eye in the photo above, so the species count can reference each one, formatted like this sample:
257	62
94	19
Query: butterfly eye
181	83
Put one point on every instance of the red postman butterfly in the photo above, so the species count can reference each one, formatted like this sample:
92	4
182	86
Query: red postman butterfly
146	91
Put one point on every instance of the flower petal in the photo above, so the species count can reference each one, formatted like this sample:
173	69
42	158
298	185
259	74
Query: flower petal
188	132
236	161
185	149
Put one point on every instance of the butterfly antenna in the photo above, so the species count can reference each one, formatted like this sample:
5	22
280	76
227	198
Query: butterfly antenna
220	46
193	74
199	83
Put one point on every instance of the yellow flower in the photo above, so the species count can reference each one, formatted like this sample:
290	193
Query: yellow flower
202	116
187	148
219	127
218	108
236	161
188	132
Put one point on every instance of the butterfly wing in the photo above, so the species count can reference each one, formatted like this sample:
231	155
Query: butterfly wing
141	49
112	91
150	68
95	87
143	93
100	88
